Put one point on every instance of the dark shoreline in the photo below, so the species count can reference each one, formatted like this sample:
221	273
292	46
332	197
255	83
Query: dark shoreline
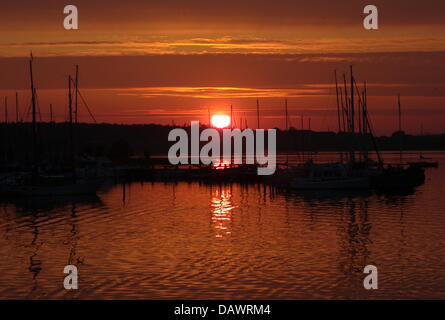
151	139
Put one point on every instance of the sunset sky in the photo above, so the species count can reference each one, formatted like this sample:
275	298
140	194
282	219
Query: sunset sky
170	61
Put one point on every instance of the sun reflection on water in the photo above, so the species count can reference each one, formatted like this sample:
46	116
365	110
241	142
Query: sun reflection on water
222	210
222	165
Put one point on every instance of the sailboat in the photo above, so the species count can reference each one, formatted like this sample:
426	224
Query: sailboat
41	183
336	176
424	162
400	176
359	172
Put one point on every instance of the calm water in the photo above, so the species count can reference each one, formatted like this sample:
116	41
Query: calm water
195	241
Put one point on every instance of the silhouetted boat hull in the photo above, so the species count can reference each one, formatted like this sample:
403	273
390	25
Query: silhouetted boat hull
70	189
347	183
327	177
424	164
398	178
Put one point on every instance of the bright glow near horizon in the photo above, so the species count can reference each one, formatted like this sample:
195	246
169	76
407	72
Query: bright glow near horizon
220	121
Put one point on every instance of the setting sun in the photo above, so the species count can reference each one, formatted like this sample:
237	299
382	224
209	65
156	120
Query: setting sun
220	121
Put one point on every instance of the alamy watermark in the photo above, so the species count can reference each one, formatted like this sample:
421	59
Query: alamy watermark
71	280
253	140
371	280
71	20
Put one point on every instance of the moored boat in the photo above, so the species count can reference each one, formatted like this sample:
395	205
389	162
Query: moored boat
397	178
424	164
30	185
330	177
39	181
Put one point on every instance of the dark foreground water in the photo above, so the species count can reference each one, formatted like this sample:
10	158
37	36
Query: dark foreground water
194	241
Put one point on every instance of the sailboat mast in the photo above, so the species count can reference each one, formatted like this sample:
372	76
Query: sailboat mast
51	112
400	127
400	112
287	128
371	134
76	94
338	101
352	156
70	111
346	107
364	115
70	102
310	140
302	137
342	111
232	154
34	120
359	111
365	107
343	125
352	103
340	117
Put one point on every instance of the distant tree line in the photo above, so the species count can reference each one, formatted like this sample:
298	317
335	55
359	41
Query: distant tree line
119	142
